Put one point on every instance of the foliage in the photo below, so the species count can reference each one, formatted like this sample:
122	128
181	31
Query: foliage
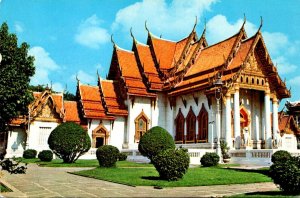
37	88
280	156
29	154
16	68
69	96
147	176
286	174
154	141
224	149
171	164
122	156
107	155
45	156
12	166
69	141
210	159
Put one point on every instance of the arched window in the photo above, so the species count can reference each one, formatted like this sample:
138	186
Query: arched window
141	126
191	126
179	136
202	125
100	136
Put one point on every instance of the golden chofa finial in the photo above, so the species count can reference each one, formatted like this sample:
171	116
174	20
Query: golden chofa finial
196	21
146	26
112	40
261	24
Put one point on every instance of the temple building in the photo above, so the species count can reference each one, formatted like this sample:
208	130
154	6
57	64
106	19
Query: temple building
198	92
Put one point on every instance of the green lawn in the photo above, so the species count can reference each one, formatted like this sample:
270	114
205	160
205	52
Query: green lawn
81	163
3	188
148	176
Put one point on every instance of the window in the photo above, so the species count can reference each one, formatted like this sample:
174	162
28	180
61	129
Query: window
202	125
141	126
179	136
191	126
44	133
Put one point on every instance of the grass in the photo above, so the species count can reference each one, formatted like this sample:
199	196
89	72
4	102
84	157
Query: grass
4	188
148	176
81	163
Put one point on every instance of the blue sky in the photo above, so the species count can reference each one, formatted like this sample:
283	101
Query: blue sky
72	37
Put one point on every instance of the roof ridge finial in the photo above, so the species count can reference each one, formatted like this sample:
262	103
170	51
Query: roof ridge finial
244	20
112	40
77	78
204	30
146	26
131	34
196	21
261	24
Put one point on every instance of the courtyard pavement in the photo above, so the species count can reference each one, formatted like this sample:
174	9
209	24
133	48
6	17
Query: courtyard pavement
56	182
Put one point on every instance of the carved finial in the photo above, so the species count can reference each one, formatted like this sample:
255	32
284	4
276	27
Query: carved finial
261	23
204	31
146	26
131	33
112	40
195	24
244	20
77	78
98	74
160	36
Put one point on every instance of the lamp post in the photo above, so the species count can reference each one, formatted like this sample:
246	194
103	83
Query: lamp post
218	94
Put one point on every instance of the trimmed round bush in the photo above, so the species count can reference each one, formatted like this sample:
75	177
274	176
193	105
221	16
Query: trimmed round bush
210	159
171	164
107	155
29	154
154	141
69	141
286	174
45	156
122	156
279	156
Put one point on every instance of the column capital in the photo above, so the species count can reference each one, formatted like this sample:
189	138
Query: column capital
275	100
236	87
267	92
227	95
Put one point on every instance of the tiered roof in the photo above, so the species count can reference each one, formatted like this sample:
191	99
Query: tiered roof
178	68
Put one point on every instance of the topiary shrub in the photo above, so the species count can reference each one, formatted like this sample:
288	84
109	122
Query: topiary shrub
171	164
29	154
45	156
154	141
286	174
210	159
107	155
279	156
69	141
122	156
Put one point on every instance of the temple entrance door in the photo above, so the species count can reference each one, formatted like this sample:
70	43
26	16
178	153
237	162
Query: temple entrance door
244	122
99	141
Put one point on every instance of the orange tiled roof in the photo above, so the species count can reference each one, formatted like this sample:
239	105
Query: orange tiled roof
71	111
115	105
212	56
148	65
130	72
91	102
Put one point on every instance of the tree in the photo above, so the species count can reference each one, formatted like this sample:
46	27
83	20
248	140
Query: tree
69	96
16	68
69	141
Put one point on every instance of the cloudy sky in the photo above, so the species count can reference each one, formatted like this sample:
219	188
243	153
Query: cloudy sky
72	37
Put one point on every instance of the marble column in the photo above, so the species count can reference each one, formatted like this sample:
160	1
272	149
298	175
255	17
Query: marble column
237	122
275	120
268	120
228	120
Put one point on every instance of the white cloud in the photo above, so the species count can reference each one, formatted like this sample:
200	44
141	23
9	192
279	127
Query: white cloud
90	34
170	19
18	27
44	64
85	77
58	87
294	81
283	65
